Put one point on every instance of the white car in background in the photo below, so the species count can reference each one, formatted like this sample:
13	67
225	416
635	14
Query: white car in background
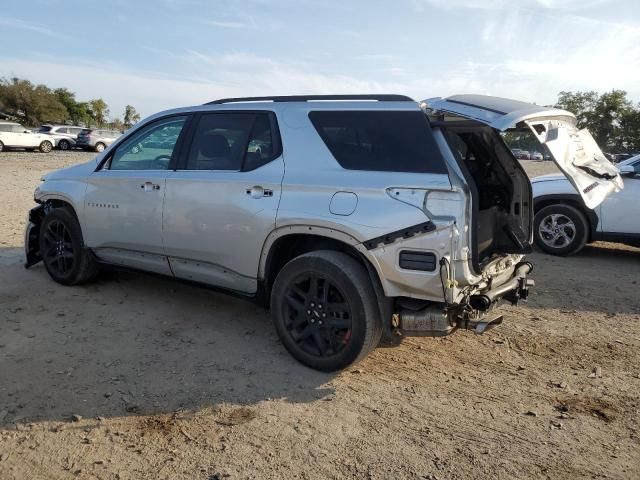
14	135
563	224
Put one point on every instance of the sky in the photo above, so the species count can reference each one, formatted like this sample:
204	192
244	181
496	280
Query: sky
162	54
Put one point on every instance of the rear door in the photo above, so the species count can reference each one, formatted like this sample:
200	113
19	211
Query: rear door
221	202
124	200
573	150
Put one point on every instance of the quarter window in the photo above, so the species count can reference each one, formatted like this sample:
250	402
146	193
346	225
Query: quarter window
390	141
151	148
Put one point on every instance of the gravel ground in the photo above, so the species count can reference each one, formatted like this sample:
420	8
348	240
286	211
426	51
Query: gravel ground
174	381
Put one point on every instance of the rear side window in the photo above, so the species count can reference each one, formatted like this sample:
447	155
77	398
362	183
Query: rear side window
380	140
232	141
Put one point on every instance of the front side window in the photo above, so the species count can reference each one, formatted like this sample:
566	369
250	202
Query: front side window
6	128
150	148
390	141
17	129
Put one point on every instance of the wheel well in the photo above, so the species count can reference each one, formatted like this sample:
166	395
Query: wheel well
290	246
57	203
577	203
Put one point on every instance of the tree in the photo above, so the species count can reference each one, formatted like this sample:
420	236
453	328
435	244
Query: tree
99	111
628	139
33	104
131	117
581	104
78	111
609	117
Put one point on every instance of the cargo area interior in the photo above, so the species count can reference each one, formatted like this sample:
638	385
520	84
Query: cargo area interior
500	190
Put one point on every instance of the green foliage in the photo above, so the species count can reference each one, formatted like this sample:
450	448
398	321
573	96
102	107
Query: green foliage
34	105
99	111
131	117
611	118
79	113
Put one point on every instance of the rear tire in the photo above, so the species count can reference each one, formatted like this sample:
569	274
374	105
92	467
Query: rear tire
64	145
560	230
62	248
325	311
45	147
100	147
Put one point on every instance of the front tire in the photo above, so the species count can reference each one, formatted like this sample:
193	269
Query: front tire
45	147
100	147
62	248
324	310
560	230
64	145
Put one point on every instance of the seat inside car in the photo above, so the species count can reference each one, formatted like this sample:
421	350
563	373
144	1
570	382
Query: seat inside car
214	153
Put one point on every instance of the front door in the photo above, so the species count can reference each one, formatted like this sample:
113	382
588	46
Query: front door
124	199
221	203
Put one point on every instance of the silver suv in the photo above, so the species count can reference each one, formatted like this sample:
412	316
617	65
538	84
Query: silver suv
96	139
64	136
354	218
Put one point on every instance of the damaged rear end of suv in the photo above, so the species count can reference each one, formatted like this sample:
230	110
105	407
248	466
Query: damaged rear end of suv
481	227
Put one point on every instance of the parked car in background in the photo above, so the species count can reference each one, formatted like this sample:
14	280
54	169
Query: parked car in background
523	155
96	139
14	135
563	224
619	157
64	136
536	156
390	216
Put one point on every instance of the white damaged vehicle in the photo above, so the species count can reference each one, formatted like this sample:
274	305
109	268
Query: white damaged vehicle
352	217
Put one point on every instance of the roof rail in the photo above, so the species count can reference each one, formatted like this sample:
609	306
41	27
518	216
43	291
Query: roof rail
310	98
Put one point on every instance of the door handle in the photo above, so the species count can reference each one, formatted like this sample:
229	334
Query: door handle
258	192
150	186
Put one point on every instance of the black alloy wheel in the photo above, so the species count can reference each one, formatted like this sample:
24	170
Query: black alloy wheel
317	315
59	253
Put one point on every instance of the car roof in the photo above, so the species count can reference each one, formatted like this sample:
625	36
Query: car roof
303	102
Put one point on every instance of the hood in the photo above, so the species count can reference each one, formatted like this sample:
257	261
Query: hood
75	171
574	151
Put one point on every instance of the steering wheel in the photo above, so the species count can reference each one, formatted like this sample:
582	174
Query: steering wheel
162	160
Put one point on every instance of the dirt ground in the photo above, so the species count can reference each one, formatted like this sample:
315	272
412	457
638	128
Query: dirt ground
174	381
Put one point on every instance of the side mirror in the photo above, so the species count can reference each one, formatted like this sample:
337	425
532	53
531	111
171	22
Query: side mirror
27	131
627	170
